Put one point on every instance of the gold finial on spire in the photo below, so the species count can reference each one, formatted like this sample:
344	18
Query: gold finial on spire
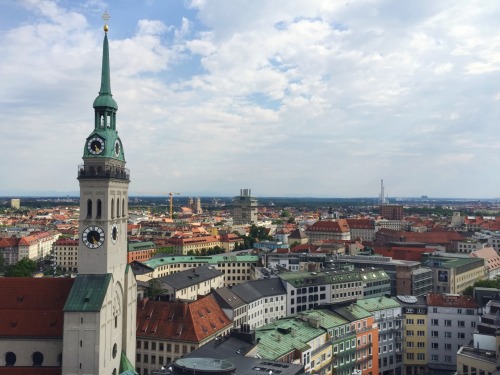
105	17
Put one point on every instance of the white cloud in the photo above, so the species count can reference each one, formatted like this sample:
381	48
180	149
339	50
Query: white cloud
234	94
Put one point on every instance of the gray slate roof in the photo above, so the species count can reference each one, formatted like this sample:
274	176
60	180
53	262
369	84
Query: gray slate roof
226	298
185	279
256	289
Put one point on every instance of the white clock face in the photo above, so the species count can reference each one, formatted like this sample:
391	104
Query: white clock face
93	237
114	233
95	145
117	148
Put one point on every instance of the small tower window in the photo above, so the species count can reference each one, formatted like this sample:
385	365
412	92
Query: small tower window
89	208
123	207
99	209
118	207
10	359
102	121
109	121
112	208
37	359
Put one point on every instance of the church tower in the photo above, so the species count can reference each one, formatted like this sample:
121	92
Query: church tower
100	313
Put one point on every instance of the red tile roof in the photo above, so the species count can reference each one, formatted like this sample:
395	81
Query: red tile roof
451	300
32	307
21	370
330	226
491	257
361	223
9	242
192	321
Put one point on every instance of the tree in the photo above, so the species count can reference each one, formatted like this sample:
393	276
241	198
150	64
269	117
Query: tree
2	264
24	268
155	290
495	283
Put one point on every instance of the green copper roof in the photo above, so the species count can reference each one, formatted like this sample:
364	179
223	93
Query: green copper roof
126	367
353	312
285	336
87	293
377	303
301	279
327	319
449	262
135	246
105	98
104	141
214	259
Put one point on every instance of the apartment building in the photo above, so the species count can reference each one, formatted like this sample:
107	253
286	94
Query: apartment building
468	246
395	269
140	251
9	250
453	274
66	254
37	246
229	241
190	284
237	269
491	261
329	230
411	346
168	330
392	211
481	355
365	327
363	229
266	301
306	290
452	320
193	244
376	283
232	305
300	340
388	316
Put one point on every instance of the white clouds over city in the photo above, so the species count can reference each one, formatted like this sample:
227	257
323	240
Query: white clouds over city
316	98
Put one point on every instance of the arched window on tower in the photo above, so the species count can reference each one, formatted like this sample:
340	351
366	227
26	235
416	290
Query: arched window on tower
117	207
99	209
89	208
123	207
112	208
102	121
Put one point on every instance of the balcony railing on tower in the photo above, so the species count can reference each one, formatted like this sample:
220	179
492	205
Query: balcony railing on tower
92	171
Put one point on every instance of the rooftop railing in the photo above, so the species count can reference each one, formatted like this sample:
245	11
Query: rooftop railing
91	171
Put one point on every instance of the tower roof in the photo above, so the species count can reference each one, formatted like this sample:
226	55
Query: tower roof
105	98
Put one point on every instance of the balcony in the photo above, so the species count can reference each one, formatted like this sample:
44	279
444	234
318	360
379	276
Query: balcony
321	348
364	359
93	172
364	346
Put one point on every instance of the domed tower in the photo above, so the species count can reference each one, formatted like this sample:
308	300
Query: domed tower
99	315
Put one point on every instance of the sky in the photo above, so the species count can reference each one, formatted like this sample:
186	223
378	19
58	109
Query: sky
316	98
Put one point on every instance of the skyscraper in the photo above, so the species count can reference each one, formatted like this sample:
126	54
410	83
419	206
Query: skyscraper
245	208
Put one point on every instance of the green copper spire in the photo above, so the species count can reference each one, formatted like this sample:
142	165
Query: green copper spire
105	98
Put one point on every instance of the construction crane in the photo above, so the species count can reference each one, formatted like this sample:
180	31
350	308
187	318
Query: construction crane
171	201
